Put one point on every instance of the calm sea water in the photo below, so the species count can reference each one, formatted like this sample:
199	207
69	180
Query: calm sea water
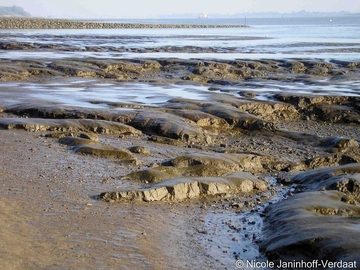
327	38
251	21
273	38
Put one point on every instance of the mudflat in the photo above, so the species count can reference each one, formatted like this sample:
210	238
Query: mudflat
176	163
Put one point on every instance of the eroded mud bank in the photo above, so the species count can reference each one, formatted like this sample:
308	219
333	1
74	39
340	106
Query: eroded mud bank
221	151
218	72
143	141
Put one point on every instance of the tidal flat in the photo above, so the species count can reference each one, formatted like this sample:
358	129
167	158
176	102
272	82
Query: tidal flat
148	160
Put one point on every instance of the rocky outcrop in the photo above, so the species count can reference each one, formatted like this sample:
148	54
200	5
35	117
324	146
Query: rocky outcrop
189	188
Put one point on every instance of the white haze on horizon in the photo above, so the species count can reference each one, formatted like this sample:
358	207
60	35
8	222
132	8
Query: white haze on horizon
155	8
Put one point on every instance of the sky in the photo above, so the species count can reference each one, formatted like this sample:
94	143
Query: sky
154	8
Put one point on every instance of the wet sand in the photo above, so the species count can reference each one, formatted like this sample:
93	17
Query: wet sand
51	220
186	171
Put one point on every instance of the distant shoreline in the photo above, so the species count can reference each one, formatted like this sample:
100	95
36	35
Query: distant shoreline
42	23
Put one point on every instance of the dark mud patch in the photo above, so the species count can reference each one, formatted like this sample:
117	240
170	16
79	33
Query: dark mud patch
312	225
319	223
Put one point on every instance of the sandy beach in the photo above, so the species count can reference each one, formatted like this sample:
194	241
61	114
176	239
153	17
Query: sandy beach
163	163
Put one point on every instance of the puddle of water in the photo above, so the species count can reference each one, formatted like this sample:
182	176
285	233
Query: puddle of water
233	235
96	95
250	55
86	94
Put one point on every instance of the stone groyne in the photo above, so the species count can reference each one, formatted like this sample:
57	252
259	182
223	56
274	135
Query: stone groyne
37	23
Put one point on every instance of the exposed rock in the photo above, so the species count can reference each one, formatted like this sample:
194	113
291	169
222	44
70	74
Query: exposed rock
188	188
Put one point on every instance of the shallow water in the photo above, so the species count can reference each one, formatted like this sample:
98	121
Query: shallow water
266	38
236	234
96	94
86	94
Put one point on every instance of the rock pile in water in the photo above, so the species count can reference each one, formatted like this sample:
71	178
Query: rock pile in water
25	23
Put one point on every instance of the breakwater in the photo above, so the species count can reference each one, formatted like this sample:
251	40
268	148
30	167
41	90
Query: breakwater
37	23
